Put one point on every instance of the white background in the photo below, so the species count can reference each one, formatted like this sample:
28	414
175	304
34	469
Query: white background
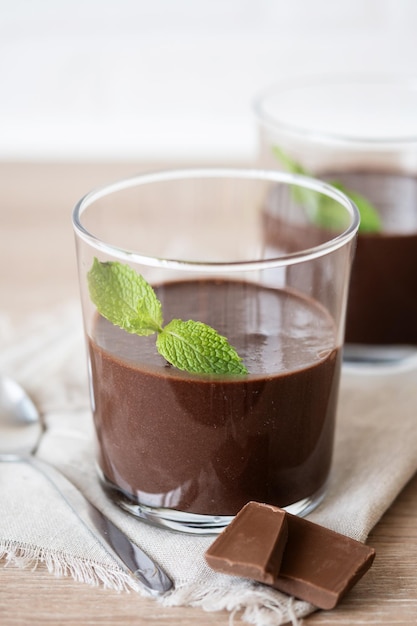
132	79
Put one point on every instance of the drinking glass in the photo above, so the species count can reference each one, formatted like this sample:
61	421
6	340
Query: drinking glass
230	395
359	133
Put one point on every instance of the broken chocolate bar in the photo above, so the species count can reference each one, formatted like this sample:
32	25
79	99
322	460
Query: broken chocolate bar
312	563
320	565
252	545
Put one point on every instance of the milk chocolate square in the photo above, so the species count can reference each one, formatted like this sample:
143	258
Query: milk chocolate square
290	553
320	565
252	544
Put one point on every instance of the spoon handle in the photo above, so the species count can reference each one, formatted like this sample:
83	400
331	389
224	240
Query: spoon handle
128	555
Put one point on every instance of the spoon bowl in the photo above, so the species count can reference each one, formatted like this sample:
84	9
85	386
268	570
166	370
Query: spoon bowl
20	425
21	430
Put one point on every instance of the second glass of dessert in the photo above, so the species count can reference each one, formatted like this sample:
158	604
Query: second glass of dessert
360	134
214	339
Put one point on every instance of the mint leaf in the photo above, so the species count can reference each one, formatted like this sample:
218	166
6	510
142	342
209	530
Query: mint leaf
196	347
323	207
123	297
325	212
289	163
305	197
370	220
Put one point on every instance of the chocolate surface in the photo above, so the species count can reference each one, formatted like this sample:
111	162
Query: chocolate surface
312	563
252	544
382	306
320	565
209	444
382	303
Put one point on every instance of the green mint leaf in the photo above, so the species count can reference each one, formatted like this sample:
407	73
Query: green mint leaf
289	163
124	298
322	207
305	197
370	220
326	212
198	348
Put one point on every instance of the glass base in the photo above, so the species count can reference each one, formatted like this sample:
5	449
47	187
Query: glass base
357	355
193	523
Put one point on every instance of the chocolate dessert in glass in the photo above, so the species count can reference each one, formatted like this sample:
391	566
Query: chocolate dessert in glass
214	355
360	134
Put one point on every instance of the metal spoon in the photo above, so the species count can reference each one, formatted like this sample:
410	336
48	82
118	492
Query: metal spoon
21	429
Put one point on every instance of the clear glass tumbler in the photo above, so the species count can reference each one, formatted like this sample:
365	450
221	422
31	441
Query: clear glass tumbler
360	134
214	339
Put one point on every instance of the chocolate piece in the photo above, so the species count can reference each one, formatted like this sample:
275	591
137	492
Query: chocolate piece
320	565
252	545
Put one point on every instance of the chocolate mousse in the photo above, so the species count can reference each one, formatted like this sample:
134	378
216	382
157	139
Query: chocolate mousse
382	306
208	444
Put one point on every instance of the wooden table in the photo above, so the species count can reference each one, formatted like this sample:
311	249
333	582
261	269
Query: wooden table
38	270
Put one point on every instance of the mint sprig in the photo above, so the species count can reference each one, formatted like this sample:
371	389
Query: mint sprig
126	299
322	207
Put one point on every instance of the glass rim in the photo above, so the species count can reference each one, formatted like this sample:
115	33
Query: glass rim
408	81
133	256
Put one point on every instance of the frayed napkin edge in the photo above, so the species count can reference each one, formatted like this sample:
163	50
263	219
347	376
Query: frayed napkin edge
24	556
255	604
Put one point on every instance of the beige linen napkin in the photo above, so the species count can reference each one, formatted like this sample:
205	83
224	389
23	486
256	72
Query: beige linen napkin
375	455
